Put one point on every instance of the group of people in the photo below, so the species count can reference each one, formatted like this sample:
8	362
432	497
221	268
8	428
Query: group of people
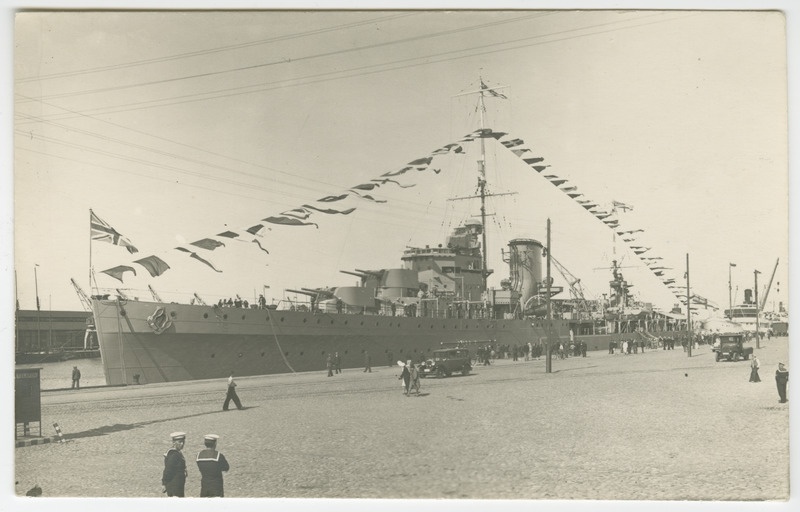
334	364
410	377
627	347
238	302
574	349
210	462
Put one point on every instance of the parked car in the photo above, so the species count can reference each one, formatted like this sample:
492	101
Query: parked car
731	346
445	362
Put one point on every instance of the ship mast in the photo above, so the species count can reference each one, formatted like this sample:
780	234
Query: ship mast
484	89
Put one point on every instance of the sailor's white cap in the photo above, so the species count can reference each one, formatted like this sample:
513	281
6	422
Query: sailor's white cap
211	437
177	436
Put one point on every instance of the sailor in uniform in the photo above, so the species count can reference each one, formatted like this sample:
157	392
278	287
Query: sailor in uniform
211	464
174	478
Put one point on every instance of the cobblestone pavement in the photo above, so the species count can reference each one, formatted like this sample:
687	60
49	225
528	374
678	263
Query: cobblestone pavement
652	426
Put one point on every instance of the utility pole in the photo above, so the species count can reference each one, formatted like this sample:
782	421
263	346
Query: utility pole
688	311
758	310
549	356
38	309
730	289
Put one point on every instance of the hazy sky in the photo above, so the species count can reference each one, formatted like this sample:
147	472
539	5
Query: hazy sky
177	126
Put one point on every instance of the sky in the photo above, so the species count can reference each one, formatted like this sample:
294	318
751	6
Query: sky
176	126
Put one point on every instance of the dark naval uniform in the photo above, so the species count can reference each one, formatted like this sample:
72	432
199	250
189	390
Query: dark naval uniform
174	477
211	464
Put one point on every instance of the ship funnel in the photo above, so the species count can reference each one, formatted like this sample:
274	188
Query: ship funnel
525	264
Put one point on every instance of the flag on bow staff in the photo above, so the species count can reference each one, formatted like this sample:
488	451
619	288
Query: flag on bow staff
103	232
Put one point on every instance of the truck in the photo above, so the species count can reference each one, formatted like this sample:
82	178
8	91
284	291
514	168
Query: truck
731	347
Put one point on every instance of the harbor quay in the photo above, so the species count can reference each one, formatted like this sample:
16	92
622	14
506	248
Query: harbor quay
656	425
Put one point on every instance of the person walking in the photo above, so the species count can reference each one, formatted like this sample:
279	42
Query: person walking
781	379
232	395
406	376
76	378
337	362
173	479
211	464
329	365
413	379
754	370
367	362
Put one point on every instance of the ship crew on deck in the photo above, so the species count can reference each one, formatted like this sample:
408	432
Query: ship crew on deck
211	464
173	479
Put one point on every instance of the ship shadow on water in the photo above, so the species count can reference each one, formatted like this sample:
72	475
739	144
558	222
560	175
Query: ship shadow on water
124	427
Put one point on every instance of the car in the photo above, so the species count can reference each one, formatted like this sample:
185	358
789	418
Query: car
731	346
445	362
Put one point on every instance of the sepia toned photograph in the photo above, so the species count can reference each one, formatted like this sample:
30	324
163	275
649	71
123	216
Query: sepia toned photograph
462	256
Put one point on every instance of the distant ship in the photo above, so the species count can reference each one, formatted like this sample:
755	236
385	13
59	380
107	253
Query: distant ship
438	297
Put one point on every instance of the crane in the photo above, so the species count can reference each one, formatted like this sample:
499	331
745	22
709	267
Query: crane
154	294
575	287
766	294
199	300
87	304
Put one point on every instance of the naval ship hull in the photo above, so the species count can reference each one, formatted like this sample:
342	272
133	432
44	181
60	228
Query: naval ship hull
148	342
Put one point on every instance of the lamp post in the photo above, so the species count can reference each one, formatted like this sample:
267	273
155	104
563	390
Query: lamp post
549	355
730	289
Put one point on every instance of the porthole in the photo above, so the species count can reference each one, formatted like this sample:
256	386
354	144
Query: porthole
305	320
419	326
301	353
173	314
362	322
240	354
286	354
262	354
345	352
212	356
225	316
345	322
242	317
431	326
281	319
122	312
323	352
205	315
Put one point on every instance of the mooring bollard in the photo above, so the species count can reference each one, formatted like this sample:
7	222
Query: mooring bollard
58	432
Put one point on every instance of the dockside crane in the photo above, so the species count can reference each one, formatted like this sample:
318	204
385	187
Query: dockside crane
575	286
766	293
154	294
87	304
